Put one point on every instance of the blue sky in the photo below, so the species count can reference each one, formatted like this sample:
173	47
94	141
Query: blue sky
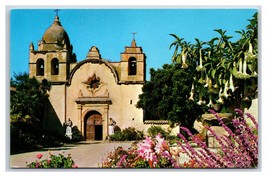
111	30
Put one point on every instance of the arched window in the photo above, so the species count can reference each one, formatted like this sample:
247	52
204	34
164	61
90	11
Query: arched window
132	66
54	66
40	67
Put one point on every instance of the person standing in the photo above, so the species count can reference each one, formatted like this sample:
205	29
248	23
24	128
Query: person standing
69	129
112	124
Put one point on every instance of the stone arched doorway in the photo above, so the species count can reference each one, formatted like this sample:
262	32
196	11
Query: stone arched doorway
93	128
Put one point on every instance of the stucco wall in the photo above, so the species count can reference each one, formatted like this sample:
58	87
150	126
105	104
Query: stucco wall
55	109
128	115
122	109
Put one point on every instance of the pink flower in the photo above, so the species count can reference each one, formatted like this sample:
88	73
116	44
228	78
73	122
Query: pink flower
39	156
74	166
145	148
161	144
121	160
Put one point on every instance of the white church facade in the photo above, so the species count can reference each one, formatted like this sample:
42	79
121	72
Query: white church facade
91	91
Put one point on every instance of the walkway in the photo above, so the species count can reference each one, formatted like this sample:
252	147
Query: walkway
86	154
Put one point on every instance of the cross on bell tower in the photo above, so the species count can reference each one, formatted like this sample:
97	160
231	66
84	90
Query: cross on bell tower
133	41
56	11
134	33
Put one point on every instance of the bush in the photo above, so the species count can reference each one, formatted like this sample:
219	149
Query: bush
155	130
131	133
27	104
76	135
172	139
128	134
22	138
118	136
55	161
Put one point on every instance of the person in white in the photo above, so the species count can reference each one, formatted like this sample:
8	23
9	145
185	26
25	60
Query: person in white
69	129
112	124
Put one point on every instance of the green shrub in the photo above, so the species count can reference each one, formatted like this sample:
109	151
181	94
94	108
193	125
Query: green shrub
76	136
128	134
131	133
22	139
155	130
118	136
172	139
55	161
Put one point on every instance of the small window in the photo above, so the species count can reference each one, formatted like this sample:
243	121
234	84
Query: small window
40	67
132	66
131	101
54	66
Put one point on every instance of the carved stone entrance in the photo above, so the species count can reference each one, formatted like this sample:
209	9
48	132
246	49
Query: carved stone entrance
93	126
93	113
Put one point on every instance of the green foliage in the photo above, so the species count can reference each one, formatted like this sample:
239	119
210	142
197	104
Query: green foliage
21	137
166	96
155	130
76	134
140	163
55	161
131	133
28	99
27	103
117	136
172	139
227	70
127	134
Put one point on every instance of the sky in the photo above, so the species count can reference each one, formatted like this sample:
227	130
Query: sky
110	30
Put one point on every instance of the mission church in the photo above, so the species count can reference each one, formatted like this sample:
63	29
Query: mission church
91	91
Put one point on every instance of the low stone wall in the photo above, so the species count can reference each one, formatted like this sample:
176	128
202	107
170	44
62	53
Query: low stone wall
149	123
162	123
212	122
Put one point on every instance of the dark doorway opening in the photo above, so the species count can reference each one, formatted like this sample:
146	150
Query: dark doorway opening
98	132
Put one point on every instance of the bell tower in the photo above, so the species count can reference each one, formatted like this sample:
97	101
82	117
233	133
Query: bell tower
133	64
51	60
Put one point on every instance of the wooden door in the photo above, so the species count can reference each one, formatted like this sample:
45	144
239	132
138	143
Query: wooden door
94	119
90	129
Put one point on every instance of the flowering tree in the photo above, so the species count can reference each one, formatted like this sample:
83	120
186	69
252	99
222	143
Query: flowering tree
228	70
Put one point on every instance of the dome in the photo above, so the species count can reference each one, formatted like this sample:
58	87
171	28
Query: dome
56	34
